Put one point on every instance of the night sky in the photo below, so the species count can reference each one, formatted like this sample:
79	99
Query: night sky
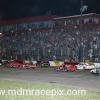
14	9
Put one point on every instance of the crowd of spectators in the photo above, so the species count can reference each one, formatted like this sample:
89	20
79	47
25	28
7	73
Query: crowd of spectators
79	45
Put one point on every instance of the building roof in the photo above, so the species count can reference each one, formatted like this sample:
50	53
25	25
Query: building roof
77	16
42	18
27	20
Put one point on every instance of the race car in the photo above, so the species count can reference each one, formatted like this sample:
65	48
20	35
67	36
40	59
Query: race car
22	64
62	68
95	71
58	64
52	64
72	68
83	65
16	64
30	65
68	66
45	64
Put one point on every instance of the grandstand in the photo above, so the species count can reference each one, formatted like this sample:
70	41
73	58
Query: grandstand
45	37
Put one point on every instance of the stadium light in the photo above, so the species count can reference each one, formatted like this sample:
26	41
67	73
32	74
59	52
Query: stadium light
0	34
83	8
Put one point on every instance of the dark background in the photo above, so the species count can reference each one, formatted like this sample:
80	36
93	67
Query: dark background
12	9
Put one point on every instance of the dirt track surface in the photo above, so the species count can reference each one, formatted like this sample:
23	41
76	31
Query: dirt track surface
82	79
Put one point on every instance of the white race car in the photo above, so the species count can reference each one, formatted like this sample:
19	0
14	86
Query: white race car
95	71
84	66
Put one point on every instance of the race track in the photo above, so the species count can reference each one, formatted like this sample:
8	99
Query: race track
81	79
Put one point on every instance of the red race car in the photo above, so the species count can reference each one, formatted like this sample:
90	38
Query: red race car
16	64
21	64
68	66
72	68
30	65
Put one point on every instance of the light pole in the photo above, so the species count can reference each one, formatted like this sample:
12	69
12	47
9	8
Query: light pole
82	10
